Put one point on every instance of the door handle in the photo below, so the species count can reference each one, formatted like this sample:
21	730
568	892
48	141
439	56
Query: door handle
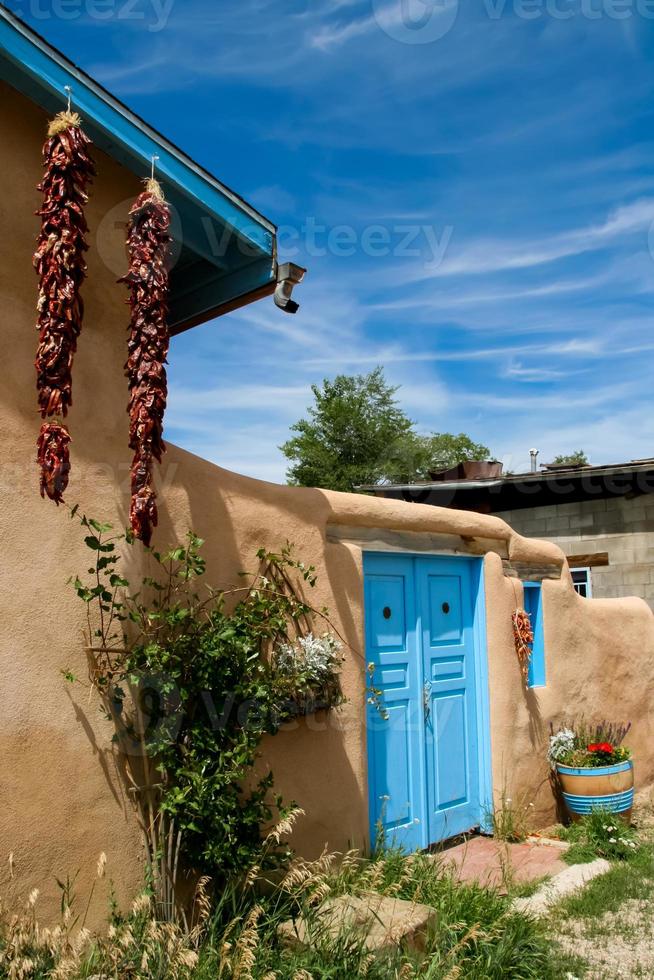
426	699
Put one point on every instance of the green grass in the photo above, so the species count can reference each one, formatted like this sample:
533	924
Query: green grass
599	834
597	908
600	910
525	889
629	879
477	935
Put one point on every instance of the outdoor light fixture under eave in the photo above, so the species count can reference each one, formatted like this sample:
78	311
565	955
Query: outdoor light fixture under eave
289	276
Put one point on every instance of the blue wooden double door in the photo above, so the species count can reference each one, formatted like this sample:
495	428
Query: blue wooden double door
426	720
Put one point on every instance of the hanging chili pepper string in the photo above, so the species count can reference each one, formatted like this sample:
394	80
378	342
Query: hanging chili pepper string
523	635
54	459
61	267
148	241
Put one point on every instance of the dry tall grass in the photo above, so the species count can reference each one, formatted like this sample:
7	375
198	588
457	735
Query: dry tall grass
234	935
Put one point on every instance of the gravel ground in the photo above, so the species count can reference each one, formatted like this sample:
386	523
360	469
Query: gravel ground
619	944
616	945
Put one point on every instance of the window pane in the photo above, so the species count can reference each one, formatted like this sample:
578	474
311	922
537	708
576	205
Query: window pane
581	581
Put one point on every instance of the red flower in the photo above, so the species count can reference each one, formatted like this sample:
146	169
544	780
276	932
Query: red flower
604	747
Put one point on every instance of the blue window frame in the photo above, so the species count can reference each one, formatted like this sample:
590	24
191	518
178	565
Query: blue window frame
534	606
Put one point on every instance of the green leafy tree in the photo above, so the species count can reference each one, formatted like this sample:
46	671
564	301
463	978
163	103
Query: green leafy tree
576	458
356	434
353	432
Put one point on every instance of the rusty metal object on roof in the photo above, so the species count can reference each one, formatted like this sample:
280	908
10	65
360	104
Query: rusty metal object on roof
470	469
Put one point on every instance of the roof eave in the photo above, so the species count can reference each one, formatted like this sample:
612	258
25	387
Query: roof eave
246	268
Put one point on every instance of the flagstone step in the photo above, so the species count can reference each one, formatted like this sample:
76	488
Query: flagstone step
379	921
493	863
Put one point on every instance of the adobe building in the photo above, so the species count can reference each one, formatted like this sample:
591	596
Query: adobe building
424	594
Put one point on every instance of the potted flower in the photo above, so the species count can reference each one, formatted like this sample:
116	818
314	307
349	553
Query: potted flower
594	768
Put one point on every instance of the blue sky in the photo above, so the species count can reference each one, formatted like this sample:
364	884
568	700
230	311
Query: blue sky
471	187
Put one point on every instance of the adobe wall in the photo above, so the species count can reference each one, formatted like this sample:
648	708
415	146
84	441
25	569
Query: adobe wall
63	801
621	527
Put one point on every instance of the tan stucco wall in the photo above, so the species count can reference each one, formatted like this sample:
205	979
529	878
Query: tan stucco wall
62	801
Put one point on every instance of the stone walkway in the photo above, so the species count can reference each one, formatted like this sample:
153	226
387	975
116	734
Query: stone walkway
496	864
564	883
384	921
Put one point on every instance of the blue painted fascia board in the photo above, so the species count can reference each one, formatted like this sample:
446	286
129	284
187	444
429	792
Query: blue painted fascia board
33	57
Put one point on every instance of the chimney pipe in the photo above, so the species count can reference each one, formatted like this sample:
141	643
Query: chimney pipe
534	460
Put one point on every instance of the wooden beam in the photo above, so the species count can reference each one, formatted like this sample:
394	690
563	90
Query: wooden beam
387	539
588	561
530	571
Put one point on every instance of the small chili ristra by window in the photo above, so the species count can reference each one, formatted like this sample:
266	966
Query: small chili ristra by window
61	268
148	243
523	637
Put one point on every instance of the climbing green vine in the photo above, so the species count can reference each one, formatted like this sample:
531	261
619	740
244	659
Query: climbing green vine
193	679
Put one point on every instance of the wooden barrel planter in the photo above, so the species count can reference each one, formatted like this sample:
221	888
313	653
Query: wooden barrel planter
609	788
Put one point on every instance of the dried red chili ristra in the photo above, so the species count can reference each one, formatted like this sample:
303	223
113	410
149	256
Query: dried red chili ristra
148	242
60	265
523	636
54	459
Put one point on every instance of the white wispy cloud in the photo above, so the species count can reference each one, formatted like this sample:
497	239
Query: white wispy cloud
515	370
455	299
526	138
499	255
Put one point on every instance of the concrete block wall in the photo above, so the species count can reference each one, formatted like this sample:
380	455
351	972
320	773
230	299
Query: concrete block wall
623	528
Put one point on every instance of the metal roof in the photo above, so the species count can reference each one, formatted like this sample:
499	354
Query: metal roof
516	491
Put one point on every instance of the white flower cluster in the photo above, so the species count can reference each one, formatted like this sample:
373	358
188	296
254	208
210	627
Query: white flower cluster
561	743
609	828
317	656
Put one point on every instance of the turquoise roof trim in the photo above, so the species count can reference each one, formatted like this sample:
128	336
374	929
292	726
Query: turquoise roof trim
207	280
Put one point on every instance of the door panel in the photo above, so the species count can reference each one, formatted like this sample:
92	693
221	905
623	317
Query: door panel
444	609
444	589
450	750
394	771
422	758
396	776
